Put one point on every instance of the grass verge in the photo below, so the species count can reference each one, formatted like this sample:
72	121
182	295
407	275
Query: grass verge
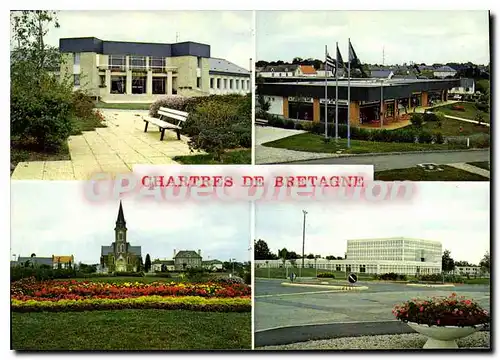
469	113
451	127
230	157
27	151
86	124
417	174
122	106
131	330
481	164
315	143
280	273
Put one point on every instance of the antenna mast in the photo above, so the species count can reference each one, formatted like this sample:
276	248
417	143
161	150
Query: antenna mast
383	55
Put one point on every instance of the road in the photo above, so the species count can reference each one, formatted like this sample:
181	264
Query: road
280	306
402	161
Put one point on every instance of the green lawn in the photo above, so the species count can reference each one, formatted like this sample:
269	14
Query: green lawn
469	113
230	157
481	164
131	330
315	143
478	281
418	174
280	273
451	127
86	124
122	106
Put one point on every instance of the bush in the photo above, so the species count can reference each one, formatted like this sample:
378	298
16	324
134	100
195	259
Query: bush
175	102
326	275
289	124
299	126
431	278
416	119
278	122
439	138
481	106
218	123
425	137
480	141
129	274
41	114
429	117
83	104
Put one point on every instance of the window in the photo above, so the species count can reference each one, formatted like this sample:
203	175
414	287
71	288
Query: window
157	64
230	83
237	84
199	62
122	248
118	84
198	83
138	62
211	83
120	236
362	268
218	84
117	63
138	84
76	59
76	80
225	83
158	85
338	268
102	79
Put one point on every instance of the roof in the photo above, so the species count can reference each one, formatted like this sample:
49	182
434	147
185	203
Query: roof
36	260
187	254
212	262
136	250
62	258
280	68
120	220
163	262
217	65
445	68
381	73
308	69
105	250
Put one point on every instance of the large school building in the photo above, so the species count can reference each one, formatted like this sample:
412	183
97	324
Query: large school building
132	71
371	100
399	255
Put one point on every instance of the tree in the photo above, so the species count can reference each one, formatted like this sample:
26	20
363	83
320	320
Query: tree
331	257
485	262
283	255
33	255
448	264
310	256
262	252
292	255
147	263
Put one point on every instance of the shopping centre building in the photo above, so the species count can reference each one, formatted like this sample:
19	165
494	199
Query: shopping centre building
304	99
131	71
377	256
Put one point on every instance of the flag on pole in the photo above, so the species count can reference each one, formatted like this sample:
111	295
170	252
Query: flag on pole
340	61
354	61
329	62
351	55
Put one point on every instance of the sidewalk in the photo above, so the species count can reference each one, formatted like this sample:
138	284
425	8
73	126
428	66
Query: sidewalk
114	149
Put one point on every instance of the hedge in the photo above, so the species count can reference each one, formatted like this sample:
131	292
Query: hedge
326	275
146	302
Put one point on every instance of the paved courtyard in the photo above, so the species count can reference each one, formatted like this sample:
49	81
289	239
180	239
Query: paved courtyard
279	306
113	149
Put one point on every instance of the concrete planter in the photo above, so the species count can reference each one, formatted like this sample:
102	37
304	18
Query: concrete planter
443	337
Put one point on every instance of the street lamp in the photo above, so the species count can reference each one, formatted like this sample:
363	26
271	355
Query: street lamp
381	103
303	240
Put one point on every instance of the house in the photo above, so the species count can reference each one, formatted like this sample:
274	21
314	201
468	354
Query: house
468	270
212	265
280	71
62	261
185	259
227	78
162	265
382	74
467	87
34	261
444	71
307	70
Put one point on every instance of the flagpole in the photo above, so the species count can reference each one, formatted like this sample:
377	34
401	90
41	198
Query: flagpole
349	96
326	92
337	91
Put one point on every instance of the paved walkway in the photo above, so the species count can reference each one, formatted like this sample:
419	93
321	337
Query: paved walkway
114	149
472	169
266	155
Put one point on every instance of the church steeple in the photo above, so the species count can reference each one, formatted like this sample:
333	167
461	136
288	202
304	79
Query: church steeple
120	220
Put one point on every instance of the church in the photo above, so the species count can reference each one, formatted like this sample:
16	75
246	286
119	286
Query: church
121	256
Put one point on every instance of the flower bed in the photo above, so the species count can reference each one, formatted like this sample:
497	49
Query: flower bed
31	295
196	303
444	311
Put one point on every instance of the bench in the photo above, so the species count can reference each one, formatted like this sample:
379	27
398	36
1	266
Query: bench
260	122
178	117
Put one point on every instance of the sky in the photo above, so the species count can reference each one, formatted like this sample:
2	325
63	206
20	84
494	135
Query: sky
457	214
402	36
229	33
53	218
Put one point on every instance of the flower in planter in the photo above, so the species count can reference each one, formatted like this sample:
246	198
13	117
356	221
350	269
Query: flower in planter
444	311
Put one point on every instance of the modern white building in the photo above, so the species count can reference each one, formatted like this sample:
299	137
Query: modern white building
377	256
444	71
227	78
467	87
